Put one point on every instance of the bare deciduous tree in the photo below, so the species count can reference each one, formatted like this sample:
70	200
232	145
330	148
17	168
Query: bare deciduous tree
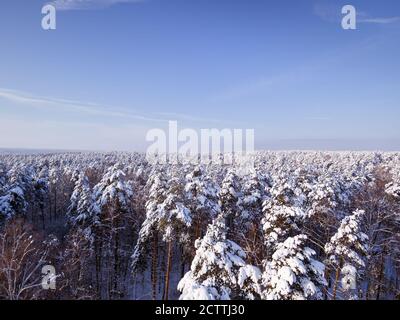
22	255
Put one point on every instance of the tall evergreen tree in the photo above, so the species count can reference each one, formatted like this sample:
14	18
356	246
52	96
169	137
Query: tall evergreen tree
346	252
219	270
293	273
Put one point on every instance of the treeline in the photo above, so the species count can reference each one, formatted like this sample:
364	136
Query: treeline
297	225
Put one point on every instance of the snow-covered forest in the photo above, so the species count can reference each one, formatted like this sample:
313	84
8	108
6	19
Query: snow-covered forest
300	225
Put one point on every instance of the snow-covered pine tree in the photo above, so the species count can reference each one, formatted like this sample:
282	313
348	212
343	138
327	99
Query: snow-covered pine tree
322	207
228	197
252	198
283	213
82	209
393	188
55	178
112	196
157	186
16	192
249	281
40	186
113	189
12	203
322	196
174	221
293	273
201	196
2	178
346	252
166	216
251	203
219	270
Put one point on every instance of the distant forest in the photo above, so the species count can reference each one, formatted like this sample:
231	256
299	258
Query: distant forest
299	225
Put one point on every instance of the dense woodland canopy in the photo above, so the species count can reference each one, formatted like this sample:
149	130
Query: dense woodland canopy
299	225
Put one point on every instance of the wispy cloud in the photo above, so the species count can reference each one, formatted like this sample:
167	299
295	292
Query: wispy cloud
379	20
87	108
82	132
94	109
332	12
65	5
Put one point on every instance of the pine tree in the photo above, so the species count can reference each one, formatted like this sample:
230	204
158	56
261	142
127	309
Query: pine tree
201	196
112	196
251	204
219	270
157	186
283	213
293	273
12	203
3	179
346	251
15	200
393	188
55	178
40	192
113	189
166	217
254	195
82	208
228	197
174	221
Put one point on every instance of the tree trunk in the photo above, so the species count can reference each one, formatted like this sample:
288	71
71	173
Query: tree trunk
98	253
367	290
43	222
154	262
116	264
49	210
162	272
327	278
381	272
55	203
182	262
337	275
169	257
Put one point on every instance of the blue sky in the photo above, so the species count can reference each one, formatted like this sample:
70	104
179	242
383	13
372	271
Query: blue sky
114	69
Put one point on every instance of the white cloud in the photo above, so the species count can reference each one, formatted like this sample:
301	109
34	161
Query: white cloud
380	20
65	5
332	12
94	109
87	108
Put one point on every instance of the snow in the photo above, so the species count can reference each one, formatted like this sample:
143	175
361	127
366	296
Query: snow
218	260
349	241
293	266
243	235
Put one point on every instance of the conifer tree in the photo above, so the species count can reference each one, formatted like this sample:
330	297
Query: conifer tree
293	273
346	252
219	270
